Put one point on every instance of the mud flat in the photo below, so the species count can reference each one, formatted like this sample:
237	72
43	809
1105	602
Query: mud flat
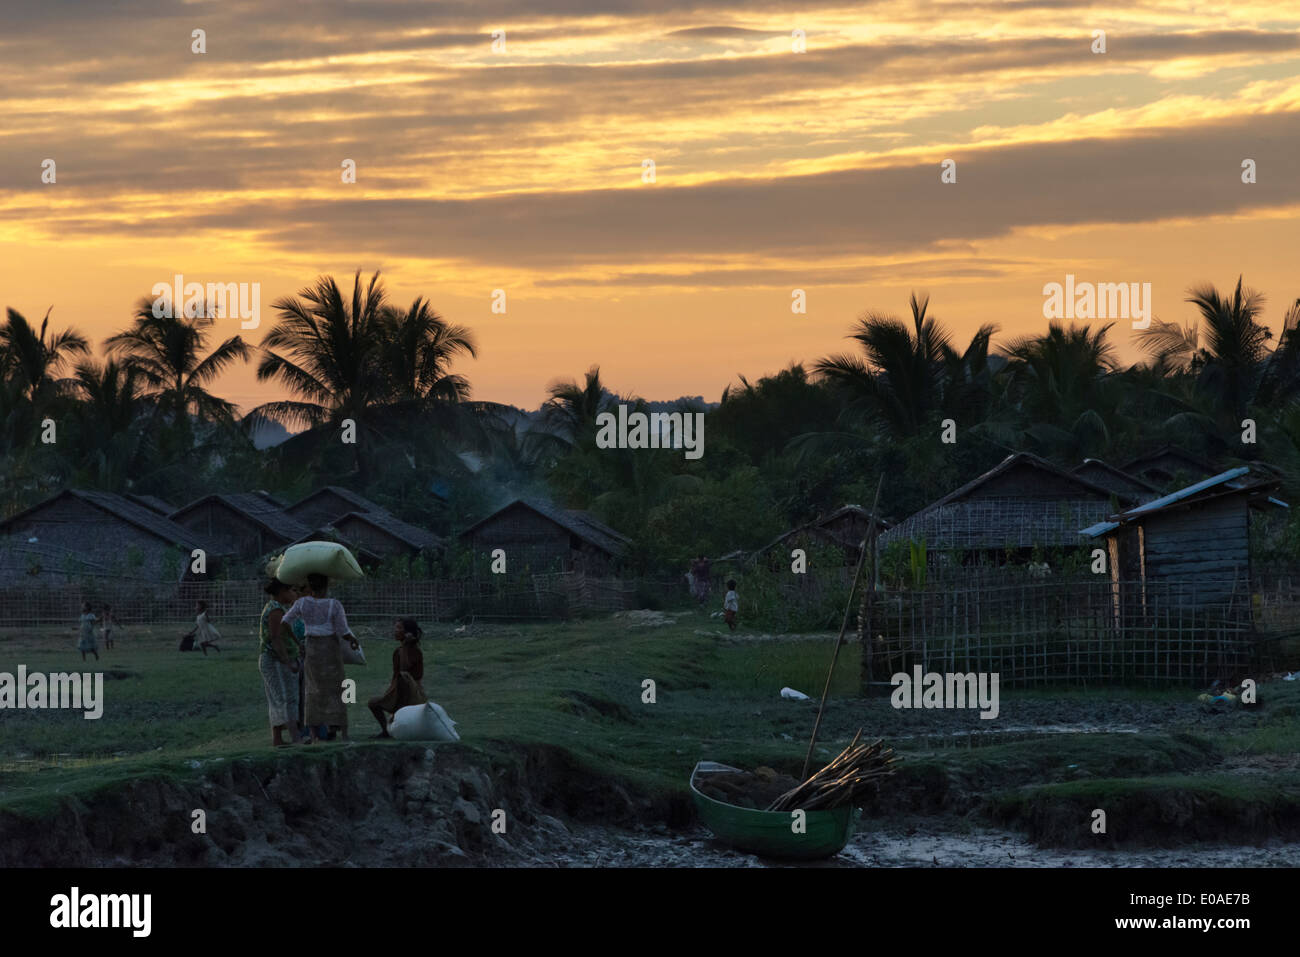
409	805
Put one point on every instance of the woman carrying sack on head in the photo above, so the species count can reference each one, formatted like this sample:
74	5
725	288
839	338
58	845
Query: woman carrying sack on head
278	663
327	624
408	671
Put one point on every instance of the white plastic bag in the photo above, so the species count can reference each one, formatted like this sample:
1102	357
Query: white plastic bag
423	722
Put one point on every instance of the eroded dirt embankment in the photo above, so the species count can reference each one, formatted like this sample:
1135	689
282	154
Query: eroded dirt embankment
401	805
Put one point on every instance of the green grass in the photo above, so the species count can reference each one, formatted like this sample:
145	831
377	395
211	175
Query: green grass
577	687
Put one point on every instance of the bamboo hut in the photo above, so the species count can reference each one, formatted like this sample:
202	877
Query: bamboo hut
245	525
327	505
385	534
1170	466
843	529
543	537
1022	504
79	532
1117	480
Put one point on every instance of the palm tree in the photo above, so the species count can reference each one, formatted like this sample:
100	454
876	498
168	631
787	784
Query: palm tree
899	378
1225	351
1061	381
31	359
420	347
331	350
169	354
112	431
570	410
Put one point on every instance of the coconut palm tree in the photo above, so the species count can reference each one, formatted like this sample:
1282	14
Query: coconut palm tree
1062	382
329	354
32	359
171	356
899	378
112	421
419	348
571	407
1224	351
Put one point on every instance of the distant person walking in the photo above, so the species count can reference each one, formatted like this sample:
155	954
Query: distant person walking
730	605
405	688
203	635
700	579
87	640
278	663
327	624
106	628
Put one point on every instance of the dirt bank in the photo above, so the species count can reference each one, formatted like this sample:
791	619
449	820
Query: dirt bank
395	805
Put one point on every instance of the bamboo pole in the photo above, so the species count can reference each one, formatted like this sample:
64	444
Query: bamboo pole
867	542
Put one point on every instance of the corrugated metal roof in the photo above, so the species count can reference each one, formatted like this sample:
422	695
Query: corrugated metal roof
1226	479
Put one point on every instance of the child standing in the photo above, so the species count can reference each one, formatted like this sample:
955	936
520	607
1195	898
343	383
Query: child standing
106	627
87	642
730	605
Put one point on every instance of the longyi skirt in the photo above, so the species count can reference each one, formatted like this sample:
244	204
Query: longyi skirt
323	684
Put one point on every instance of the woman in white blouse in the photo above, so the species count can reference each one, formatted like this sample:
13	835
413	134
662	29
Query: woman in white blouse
327	625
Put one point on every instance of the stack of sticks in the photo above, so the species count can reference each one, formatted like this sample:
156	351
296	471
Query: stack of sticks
854	772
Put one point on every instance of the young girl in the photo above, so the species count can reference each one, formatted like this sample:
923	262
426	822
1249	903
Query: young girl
408	671
323	683
87	642
107	628
730	605
205	636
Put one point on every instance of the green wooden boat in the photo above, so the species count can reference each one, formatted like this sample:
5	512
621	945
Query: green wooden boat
769	833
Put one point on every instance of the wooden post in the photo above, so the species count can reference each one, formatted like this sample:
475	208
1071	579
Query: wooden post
867	543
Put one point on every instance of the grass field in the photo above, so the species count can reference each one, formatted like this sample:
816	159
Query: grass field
578	686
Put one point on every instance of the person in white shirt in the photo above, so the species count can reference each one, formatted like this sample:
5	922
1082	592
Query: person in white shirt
327	624
730	605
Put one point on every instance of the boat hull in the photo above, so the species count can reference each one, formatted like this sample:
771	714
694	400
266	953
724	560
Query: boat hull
770	833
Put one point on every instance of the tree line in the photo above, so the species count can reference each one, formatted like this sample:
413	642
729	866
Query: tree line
780	450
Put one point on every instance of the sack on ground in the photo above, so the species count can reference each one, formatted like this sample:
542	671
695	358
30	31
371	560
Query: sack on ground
423	722
317	558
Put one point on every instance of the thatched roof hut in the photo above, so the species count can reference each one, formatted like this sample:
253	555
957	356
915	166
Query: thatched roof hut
327	505
1022	503
1117	480
1168	464
152	502
79	532
385	534
542	536
246	525
845	528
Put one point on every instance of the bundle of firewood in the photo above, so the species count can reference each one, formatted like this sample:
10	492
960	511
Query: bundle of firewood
850	775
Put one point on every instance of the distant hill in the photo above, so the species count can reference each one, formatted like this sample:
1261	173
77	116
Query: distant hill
269	434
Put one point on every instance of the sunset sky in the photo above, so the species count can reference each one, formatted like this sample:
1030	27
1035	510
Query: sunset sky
522	169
